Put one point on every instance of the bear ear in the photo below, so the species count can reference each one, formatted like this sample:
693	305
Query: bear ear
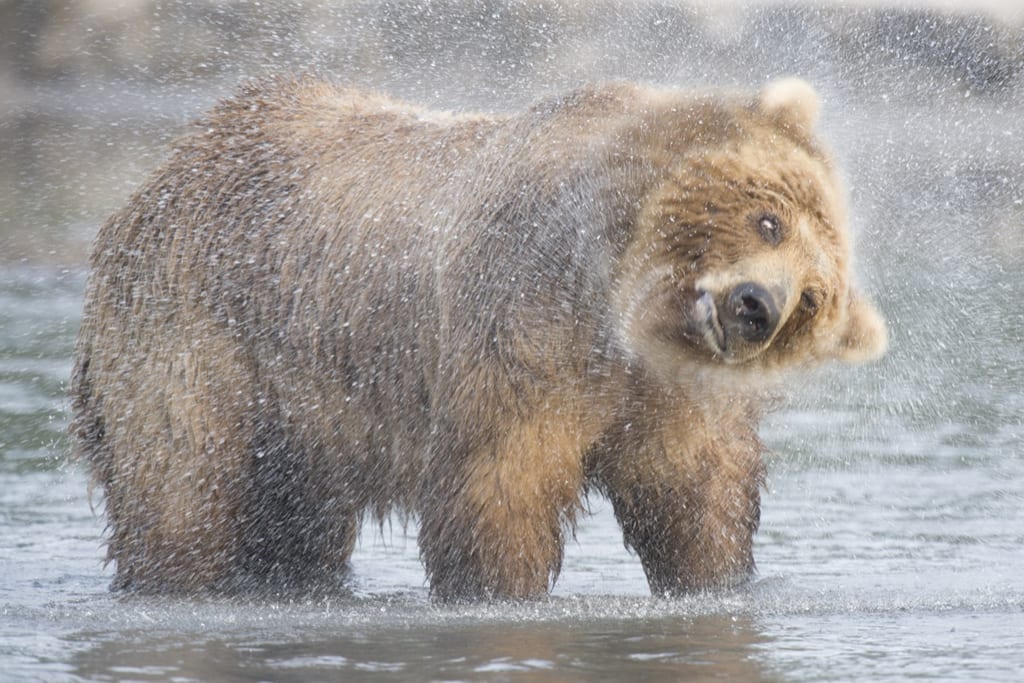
865	337
792	99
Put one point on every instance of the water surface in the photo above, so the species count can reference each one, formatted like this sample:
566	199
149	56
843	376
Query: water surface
891	547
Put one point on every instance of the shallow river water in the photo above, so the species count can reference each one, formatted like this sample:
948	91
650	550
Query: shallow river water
892	540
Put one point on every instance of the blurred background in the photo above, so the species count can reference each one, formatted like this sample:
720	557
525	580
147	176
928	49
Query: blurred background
91	91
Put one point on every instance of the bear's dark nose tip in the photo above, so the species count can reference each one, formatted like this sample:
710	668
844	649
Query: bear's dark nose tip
752	312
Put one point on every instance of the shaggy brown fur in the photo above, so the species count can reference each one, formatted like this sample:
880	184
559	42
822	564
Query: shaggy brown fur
329	303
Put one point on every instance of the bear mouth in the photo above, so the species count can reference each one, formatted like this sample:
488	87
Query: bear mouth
710	326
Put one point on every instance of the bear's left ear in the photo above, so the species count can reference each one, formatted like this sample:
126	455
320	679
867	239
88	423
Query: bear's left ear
865	337
791	99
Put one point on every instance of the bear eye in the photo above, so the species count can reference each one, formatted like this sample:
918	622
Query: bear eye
770	227
810	301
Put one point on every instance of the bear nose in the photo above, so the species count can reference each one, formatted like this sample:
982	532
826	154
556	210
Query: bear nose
752	311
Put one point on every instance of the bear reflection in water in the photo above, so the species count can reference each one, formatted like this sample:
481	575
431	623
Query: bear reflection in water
329	304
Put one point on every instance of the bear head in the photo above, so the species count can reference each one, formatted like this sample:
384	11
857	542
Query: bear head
740	254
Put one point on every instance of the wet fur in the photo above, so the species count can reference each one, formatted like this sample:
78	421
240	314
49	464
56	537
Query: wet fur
328	304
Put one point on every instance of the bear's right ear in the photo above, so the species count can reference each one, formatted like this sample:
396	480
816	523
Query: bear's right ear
791	99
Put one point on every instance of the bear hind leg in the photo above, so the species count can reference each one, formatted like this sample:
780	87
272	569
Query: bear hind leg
295	536
173	453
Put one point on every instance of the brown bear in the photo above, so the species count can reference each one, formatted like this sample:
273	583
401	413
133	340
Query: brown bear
329	303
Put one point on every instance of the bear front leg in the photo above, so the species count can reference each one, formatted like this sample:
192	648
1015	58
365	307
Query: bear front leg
688	499
493	518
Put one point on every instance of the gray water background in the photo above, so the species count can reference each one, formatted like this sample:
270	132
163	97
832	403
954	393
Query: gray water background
892	539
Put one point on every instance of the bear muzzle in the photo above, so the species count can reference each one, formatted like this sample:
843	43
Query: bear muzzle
738	324
750	313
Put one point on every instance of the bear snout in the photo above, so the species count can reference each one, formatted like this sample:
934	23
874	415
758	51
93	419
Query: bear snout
750	312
